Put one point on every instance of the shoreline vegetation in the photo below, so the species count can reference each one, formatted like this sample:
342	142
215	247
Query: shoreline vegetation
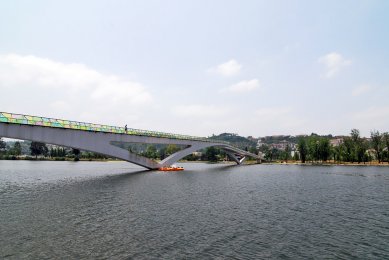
247	162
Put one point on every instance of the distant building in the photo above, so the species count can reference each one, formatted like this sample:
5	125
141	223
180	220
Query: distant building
372	154
260	144
283	144
336	142
197	154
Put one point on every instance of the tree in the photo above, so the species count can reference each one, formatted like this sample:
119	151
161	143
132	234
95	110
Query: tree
313	148
253	150
359	146
296	156
355	135
17	149
211	154
337	152
302	148
76	153
38	148
324	149
3	145
385	137
61	152
265	149
348	151
287	152
376	141
162	153
171	149
151	152
53	152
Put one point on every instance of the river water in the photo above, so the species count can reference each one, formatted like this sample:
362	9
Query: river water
114	210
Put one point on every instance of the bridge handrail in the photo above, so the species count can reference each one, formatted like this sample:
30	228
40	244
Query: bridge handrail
21	119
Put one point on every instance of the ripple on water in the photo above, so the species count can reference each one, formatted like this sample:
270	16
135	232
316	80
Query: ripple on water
102	210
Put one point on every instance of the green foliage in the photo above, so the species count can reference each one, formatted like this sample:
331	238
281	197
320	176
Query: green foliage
296	157
314	148
16	149
162	153
324	149
211	154
38	148
253	149
303	149
236	140
76	153
385	139
192	157
376	141
171	149
286	153
272	154
57	152
3	145
151	152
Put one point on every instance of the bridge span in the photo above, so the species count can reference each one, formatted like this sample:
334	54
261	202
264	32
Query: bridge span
100	138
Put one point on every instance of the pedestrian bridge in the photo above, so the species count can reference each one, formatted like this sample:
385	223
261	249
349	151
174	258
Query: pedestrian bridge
100	138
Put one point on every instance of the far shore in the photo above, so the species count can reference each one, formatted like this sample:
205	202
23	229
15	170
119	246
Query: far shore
374	163
248	162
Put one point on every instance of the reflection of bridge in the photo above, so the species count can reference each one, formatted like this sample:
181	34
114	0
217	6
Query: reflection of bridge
100	138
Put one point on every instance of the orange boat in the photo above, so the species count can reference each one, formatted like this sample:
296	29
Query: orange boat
171	169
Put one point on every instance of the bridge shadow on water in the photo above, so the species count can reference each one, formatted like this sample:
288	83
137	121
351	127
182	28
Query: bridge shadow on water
128	175
114	177
234	166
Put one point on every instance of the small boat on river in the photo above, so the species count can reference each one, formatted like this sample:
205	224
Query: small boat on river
172	168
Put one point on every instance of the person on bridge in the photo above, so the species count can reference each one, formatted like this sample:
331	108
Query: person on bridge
125	128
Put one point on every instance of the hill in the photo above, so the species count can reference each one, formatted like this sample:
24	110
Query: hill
236	140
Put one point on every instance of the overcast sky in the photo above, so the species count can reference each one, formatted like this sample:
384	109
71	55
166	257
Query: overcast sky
199	67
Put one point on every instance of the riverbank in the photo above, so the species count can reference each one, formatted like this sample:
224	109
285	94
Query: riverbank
30	158
248	162
373	163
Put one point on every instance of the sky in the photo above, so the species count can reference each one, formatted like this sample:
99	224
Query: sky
254	68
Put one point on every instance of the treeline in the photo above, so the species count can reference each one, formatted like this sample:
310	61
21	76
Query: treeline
41	151
353	148
274	154
236	140
38	150
157	152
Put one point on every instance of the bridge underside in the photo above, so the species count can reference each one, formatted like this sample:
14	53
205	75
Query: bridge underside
101	142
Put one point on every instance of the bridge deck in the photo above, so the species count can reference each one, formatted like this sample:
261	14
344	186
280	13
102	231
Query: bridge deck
20	119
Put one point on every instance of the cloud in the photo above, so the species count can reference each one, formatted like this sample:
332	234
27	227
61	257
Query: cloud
72	90
243	86
229	68
40	73
363	89
334	63
204	111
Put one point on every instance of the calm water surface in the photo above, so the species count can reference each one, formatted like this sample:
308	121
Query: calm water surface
99	210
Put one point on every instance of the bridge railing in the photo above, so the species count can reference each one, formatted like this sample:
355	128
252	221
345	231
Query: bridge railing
20	119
